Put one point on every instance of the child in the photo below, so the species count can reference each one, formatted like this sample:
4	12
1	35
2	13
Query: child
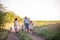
23	28
30	26
16	24
11	29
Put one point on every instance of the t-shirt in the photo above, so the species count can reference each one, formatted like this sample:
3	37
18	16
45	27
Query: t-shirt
26	20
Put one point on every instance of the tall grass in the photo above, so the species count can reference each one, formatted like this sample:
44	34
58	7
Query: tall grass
49	33
23	36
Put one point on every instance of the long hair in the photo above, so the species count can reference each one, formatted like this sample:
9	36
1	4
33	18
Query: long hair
16	19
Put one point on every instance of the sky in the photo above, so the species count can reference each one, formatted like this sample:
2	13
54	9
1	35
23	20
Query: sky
35	9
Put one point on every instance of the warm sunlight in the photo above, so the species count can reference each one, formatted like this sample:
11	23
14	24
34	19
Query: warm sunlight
42	21
35	9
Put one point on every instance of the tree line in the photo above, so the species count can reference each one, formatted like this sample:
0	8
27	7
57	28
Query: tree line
7	16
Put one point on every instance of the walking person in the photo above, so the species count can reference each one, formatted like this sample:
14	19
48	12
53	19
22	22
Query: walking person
16	24
30	27
26	23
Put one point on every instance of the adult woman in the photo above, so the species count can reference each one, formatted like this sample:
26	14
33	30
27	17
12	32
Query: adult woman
26	23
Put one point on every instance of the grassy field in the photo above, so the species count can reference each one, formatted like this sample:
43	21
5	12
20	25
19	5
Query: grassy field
51	32
36	23
44	23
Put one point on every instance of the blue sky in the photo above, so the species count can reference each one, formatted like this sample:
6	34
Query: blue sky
35	9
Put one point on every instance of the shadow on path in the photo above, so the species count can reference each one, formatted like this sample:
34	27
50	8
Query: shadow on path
12	36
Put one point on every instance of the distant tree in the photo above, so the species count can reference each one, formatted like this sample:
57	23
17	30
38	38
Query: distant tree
7	16
20	19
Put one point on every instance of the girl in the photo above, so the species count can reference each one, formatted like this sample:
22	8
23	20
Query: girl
30	27
16	24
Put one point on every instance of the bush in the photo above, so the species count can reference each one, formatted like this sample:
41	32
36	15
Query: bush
57	36
23	36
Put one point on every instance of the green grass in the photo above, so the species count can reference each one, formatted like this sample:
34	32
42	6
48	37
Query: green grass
23	36
47	34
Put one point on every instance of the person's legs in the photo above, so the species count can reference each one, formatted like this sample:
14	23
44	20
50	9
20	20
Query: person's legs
30	29
22	29
27	28
15	29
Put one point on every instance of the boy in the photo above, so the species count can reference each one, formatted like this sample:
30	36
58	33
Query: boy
23	27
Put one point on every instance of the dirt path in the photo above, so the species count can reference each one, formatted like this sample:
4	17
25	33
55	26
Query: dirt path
35	37
12	36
